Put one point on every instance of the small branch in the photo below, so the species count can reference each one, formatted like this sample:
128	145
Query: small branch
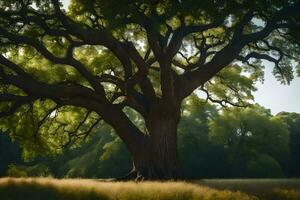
222	102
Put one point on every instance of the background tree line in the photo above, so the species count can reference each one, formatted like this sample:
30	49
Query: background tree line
213	143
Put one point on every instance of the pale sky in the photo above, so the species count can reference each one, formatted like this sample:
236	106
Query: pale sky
277	97
271	94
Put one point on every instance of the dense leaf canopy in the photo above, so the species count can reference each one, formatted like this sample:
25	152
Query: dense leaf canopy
61	72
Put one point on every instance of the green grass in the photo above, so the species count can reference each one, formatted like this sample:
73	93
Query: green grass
85	189
76	189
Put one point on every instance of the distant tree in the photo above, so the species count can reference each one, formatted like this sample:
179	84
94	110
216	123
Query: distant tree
83	160
200	157
10	153
293	123
115	160
62	72
247	134
263	166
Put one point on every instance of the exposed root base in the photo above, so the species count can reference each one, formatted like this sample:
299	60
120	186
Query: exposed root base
134	175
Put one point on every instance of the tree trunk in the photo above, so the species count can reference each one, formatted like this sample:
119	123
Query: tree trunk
158	158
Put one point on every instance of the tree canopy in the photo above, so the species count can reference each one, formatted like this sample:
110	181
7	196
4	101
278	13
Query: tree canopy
62	72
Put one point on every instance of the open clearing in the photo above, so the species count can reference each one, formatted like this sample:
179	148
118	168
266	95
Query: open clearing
257	187
87	189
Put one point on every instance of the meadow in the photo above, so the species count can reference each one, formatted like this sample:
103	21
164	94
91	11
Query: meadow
258	187
88	189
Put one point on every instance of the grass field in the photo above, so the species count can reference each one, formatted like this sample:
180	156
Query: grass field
257	187
84	189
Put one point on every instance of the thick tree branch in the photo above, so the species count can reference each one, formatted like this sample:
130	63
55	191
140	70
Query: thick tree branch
183	31
17	102
189	81
95	37
67	60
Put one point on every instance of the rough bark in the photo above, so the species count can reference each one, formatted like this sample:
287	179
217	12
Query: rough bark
158	158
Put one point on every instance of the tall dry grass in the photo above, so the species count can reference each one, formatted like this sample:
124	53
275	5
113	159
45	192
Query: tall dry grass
257	187
77	189
284	194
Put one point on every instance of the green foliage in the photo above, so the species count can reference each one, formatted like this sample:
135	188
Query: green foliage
210	145
34	124
14	171
102	155
263	167
199	157
246	133
293	123
232	85
115	160
38	170
24	127
10	152
172	14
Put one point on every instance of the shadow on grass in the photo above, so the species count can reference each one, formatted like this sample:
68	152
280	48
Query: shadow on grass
257	187
22	190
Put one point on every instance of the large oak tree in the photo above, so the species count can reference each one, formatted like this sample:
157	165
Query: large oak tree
62	72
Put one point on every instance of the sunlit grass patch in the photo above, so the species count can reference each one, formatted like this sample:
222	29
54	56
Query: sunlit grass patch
257	187
75	189
284	194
